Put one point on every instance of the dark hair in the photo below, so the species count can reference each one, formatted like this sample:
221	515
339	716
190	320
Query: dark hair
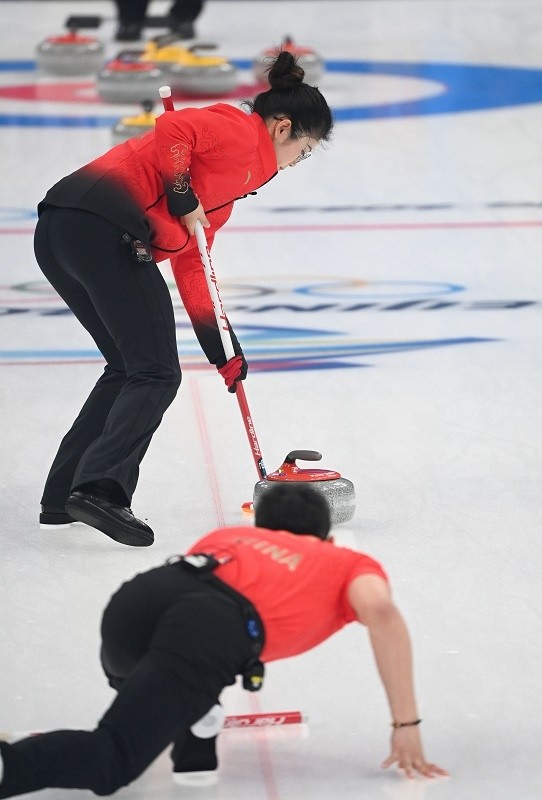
295	508
288	96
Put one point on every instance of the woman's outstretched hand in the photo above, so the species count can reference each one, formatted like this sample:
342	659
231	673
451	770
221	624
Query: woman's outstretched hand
407	753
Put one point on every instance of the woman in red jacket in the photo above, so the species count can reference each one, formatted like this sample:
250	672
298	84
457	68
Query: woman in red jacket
100	234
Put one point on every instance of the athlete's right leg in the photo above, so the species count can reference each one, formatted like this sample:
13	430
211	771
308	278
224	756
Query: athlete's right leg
90	422
153	709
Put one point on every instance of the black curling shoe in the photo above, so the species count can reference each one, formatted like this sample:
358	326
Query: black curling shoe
128	32
51	518
195	762
184	29
116	521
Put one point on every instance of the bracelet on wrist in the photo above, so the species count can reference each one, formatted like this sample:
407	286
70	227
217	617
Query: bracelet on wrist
405	724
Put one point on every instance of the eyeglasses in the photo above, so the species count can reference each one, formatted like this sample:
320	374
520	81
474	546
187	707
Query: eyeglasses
306	152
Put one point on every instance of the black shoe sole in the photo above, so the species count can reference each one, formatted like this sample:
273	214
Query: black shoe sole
90	514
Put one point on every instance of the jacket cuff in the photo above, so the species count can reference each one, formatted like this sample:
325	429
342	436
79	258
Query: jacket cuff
181	200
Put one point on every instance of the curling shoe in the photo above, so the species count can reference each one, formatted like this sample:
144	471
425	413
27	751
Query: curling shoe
195	763
128	32
116	521
184	29
54	518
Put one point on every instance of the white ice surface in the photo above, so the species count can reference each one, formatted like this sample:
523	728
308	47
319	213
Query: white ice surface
443	444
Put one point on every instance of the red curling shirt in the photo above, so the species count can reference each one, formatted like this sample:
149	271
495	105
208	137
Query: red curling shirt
298	584
144	185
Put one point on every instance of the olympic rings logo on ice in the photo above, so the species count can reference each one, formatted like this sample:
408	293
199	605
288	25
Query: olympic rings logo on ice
275	292
284	345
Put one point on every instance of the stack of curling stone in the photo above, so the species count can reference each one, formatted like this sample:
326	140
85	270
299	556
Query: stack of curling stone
307	58
338	491
127	79
128	127
187	71
70	54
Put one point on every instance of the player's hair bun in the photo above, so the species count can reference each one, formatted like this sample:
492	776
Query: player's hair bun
285	73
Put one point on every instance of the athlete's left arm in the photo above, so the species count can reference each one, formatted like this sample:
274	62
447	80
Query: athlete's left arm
177	135
370	597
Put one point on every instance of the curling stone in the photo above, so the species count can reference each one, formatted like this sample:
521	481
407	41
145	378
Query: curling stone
128	127
307	58
338	491
187	71
70	54
126	79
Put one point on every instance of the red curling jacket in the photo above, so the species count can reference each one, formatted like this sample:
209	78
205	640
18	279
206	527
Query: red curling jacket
298	584
218	154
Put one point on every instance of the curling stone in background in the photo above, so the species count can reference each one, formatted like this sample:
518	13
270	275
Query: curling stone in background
307	58
128	127
126	79
70	54
338	491
189	72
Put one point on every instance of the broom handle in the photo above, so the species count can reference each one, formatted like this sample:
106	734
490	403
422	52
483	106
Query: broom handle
210	277
225	336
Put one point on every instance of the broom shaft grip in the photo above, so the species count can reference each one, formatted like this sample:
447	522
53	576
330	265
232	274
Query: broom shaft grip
167	100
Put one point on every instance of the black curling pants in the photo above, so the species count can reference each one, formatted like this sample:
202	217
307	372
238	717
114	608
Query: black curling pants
135	10
126	307
170	645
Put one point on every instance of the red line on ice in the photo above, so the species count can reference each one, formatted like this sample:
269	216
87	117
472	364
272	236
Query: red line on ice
361	226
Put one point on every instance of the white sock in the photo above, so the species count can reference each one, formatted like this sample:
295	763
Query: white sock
210	724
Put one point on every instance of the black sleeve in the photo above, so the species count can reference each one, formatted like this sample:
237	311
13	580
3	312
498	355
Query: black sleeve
180	198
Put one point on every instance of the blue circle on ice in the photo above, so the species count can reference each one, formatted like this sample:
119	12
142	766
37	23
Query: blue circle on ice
459	88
